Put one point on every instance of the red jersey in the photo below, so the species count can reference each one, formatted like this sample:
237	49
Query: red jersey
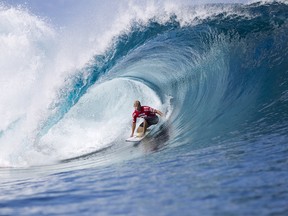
145	112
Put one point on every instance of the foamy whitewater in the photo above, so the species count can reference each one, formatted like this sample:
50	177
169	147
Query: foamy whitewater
217	71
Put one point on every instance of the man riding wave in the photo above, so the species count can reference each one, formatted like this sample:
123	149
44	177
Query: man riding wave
149	116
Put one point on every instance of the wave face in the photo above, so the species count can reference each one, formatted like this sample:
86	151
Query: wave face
218	78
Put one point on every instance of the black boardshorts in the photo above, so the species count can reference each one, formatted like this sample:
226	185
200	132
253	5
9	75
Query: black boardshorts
151	121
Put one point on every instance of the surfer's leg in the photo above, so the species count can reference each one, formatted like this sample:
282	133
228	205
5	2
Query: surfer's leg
141	130
145	126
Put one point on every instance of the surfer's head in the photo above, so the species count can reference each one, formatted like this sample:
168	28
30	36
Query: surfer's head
137	105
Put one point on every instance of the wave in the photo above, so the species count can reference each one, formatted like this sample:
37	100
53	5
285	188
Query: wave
219	78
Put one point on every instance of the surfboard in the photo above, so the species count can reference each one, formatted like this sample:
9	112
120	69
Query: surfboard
138	138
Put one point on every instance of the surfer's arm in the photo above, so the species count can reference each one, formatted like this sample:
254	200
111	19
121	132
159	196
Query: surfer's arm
159	113
133	128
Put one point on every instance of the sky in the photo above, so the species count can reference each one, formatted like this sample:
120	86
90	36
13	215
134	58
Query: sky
64	11
60	11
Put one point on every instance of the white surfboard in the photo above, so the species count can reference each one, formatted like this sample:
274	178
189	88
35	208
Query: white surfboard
138	138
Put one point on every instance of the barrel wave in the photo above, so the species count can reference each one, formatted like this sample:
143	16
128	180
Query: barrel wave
221	80
213	81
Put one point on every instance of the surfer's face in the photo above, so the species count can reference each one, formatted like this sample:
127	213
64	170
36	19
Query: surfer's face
136	106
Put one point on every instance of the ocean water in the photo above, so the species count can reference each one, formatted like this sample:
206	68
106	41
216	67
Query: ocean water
219	72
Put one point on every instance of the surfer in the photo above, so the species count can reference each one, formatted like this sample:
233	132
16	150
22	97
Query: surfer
149	115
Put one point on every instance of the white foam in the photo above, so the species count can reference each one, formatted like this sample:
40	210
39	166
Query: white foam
35	61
